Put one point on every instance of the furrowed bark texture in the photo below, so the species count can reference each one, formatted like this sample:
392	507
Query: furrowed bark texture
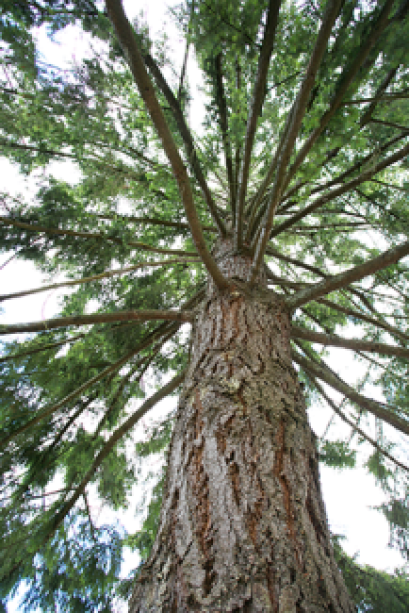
243	526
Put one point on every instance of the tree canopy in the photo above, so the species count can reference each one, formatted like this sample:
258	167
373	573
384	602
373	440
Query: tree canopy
302	160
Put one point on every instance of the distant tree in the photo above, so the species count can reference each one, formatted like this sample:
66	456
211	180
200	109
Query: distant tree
282	222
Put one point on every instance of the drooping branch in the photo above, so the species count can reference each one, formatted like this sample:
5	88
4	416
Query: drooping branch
187	137
364	176
345	278
127	40
7	221
160	331
45	412
323	372
222	108
331	340
294	121
348	421
103	275
165	391
259	93
96	318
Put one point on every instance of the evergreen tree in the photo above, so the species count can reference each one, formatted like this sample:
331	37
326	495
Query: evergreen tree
277	231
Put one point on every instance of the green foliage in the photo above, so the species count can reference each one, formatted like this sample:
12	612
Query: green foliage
104	197
372	590
337	454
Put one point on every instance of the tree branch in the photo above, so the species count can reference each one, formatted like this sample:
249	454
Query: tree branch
353	425
346	79
256	106
294	120
110	444
331	340
161	330
103	275
187	138
345	278
127	40
323	372
359	315
7	221
96	318
222	107
365	176
23	354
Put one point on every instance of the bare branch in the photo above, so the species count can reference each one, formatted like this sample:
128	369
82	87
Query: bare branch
103	275
345	278
7	221
331	340
127	39
259	94
294	123
323	372
96	318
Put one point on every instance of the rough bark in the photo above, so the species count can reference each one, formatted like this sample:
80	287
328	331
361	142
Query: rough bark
243	526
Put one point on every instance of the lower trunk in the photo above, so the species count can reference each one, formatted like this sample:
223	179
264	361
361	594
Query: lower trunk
243	525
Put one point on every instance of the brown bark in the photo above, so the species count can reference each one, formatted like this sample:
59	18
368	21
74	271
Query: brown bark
242	526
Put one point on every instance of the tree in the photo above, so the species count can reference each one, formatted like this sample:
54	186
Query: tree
279	225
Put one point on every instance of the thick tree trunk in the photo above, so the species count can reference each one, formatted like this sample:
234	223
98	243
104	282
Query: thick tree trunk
243	525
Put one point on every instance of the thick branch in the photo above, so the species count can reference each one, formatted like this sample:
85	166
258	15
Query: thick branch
294	123
259	94
323	372
331	340
127	39
7	221
345	278
103	275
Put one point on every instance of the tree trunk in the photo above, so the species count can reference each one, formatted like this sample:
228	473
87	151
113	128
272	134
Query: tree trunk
243	526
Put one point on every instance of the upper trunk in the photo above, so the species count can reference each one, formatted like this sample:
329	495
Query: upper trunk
243	526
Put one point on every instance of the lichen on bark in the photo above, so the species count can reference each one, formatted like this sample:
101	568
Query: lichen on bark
243	526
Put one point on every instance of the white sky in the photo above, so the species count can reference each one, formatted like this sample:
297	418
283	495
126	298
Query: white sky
350	495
